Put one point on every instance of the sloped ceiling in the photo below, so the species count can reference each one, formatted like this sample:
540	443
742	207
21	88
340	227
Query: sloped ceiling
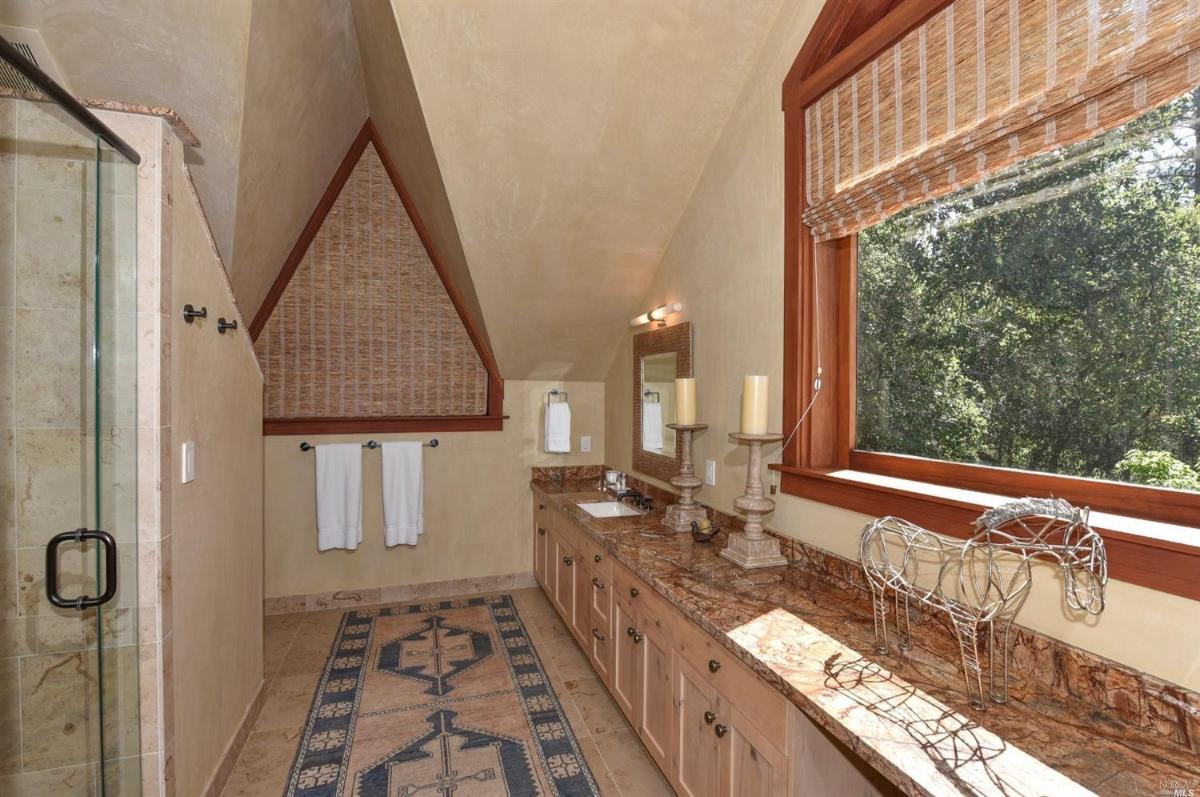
272	88
570	137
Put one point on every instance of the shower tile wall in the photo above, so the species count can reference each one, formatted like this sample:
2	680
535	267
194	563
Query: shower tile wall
48	724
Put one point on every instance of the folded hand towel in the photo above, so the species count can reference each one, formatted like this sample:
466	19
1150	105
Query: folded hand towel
558	428
339	496
403	520
652	428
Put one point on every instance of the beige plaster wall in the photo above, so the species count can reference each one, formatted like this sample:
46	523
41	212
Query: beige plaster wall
478	517
725	263
216	554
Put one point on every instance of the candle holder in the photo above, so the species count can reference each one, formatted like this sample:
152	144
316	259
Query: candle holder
680	515
752	548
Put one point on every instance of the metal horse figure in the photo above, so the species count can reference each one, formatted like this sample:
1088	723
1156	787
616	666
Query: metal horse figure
969	583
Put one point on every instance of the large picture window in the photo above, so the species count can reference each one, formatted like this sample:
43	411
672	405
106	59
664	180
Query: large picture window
1047	318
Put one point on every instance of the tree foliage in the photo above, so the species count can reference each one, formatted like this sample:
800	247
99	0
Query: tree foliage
1049	319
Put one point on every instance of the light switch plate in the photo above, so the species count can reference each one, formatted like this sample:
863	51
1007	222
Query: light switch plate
710	472
585	444
187	459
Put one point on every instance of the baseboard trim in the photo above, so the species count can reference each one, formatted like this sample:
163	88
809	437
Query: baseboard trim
233	750
399	593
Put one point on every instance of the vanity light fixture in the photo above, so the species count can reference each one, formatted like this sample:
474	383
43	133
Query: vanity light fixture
658	314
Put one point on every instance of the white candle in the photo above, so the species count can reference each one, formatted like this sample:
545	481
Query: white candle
754	405
685	401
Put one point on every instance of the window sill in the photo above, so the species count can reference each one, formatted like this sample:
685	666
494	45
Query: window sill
1160	556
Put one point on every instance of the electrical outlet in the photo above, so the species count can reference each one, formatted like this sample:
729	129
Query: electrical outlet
187	458
585	444
710	472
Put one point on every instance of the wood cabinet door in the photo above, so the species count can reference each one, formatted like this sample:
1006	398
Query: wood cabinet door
694	753
624	680
541	555
749	764
581	616
564	579
656	709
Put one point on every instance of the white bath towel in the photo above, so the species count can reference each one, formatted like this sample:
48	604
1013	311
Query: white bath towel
339	496
403	511
652	435
558	428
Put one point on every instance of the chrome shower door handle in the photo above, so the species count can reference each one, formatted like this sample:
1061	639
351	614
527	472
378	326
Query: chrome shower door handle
110	569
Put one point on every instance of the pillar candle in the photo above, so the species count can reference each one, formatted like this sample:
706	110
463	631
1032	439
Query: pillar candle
685	401
754	405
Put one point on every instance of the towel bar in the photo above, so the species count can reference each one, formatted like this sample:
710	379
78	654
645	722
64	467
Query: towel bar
372	444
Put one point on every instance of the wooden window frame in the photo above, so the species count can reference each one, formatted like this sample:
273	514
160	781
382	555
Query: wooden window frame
1149	531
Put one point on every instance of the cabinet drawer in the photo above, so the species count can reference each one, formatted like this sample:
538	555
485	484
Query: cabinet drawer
598	558
635	593
754	697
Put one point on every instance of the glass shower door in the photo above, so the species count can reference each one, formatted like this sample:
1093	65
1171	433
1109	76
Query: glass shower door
68	457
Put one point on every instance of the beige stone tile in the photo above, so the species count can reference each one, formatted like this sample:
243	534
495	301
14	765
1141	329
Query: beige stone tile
9	584
306	654
276	643
596	763
53	151
51	257
630	765
148	695
263	767
73	579
600	713
50	484
62	632
288	700
121	699
123	777
8	387
8	141
18	636
50	386
567	656
284	604
57	728
343	599
76	781
10	719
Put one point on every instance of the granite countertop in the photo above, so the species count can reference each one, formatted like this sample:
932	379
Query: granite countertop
812	638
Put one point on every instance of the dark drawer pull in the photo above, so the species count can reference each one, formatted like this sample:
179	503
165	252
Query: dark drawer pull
632	632
541	506
713	665
710	717
596	633
634	592
110	569
597	557
720	731
597	583
541	531
568	561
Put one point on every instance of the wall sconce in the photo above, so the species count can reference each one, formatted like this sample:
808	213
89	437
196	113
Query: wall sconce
658	314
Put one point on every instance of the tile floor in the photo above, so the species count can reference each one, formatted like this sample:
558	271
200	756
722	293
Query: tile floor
296	646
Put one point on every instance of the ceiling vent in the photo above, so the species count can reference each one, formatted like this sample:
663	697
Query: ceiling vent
31	44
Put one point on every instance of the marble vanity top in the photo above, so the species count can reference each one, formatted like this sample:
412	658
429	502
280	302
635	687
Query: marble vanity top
811	637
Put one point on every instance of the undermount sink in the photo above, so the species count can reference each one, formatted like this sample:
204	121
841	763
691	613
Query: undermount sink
608	509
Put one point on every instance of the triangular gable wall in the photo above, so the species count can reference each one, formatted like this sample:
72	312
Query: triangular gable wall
363	332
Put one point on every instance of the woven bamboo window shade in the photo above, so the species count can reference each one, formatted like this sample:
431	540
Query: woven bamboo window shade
984	84
365	327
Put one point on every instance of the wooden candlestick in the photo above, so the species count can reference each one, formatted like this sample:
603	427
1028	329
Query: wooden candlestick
681	515
752	548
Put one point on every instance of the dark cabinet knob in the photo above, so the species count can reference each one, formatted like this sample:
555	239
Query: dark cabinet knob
596	633
541	531
632	632
634	592
710	717
541	506
720	730
597	583
713	665
597	557
568	561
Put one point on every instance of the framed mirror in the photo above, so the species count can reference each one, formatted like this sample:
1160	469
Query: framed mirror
660	357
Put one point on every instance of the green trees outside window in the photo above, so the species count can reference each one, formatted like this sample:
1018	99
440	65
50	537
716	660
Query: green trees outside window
1048	318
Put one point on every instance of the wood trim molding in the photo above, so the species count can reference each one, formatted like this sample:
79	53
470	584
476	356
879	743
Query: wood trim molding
370	135
398	425
820	336
819	66
676	338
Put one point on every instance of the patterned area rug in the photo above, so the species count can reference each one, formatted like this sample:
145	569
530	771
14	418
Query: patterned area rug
437	699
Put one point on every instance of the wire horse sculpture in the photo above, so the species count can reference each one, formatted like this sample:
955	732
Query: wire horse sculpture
982	582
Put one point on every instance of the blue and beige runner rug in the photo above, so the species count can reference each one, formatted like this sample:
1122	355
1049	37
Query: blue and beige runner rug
437	699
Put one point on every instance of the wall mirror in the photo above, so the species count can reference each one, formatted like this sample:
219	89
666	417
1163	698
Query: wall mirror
659	358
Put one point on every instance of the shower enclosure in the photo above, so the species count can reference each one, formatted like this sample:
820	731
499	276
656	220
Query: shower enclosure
68	446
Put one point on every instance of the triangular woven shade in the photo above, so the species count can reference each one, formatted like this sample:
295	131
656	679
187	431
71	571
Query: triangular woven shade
984	84
365	327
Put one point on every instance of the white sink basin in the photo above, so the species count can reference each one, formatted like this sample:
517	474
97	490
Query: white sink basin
608	509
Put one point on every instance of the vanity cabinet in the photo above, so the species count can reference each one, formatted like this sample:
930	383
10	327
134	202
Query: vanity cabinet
541	539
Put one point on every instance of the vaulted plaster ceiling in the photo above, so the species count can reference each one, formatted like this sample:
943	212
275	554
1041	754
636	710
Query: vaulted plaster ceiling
570	136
